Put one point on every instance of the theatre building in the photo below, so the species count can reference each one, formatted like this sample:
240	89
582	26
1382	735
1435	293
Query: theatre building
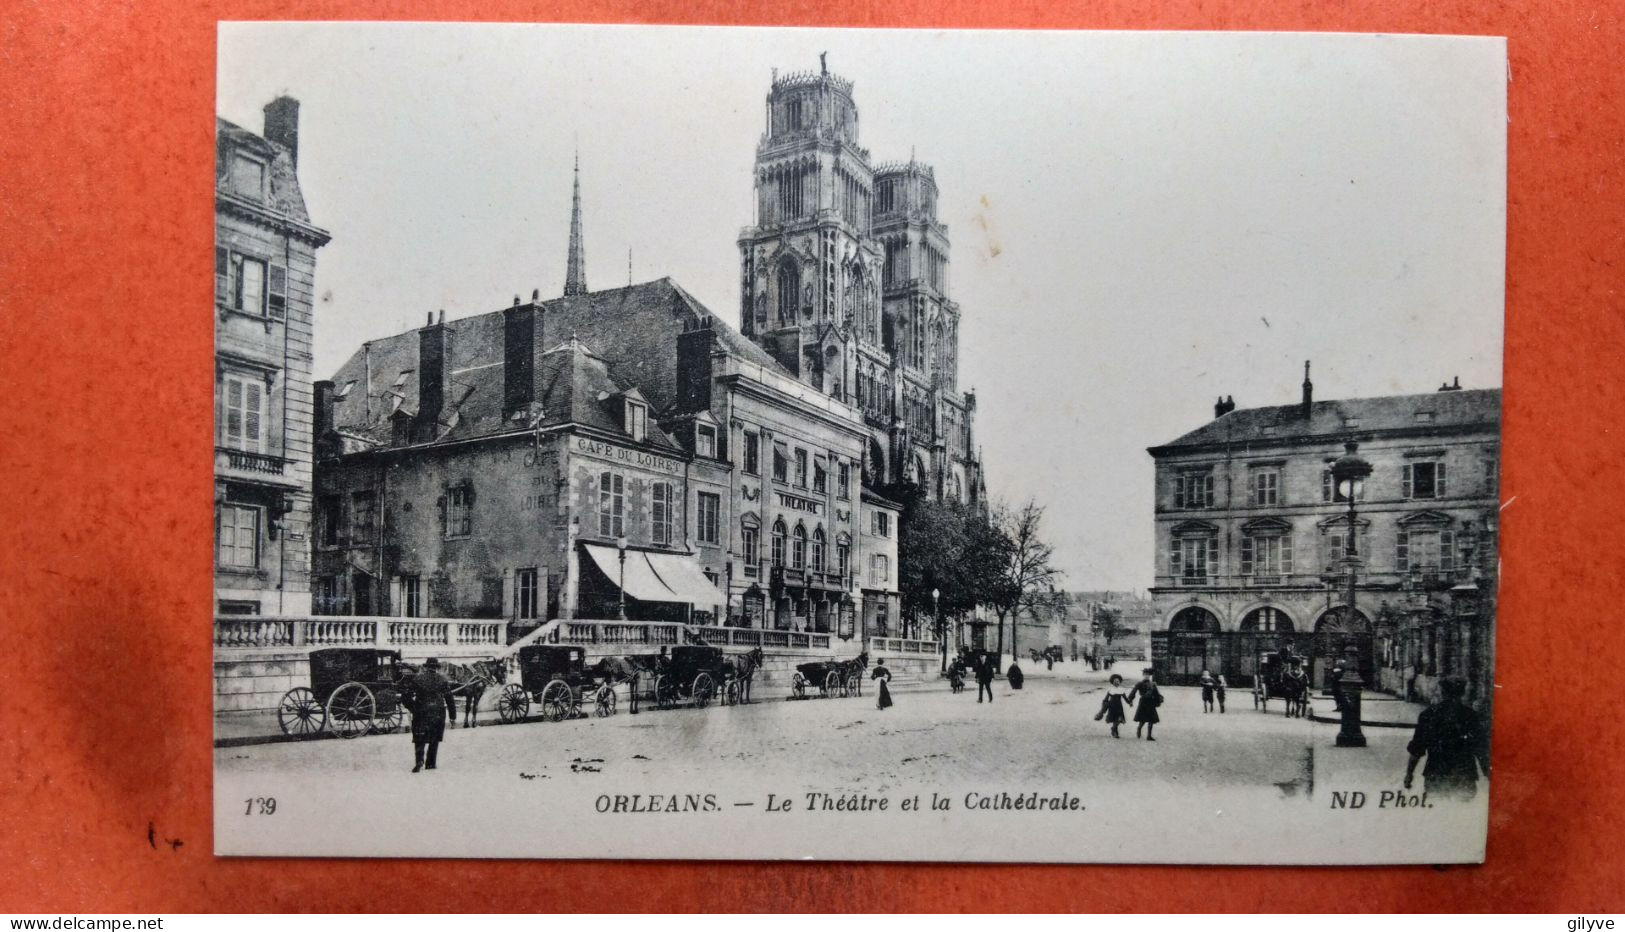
1251	534
265	267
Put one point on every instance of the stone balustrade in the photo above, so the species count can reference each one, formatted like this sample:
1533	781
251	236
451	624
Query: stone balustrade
902	646
262	632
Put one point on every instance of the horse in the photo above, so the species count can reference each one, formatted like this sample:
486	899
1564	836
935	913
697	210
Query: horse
744	667
471	680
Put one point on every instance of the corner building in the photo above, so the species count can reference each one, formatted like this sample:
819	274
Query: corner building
490	467
844	282
264	279
1251	535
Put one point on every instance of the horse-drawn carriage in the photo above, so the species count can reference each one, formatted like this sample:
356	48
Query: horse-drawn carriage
696	674
353	690
1280	675
557	679
833	678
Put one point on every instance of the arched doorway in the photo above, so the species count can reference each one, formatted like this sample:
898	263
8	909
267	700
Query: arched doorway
1335	631
1194	645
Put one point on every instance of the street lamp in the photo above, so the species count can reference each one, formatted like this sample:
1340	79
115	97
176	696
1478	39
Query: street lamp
936	614
620	545
1350	472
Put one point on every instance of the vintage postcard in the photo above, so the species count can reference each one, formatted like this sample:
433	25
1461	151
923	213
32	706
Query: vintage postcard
647	442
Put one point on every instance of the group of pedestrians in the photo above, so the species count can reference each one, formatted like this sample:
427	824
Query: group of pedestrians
1117	701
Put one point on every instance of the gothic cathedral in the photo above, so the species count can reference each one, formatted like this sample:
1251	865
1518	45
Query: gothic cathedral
844	280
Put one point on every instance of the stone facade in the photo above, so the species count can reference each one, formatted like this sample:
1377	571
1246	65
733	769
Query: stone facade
265	267
528	445
844	281
1250	532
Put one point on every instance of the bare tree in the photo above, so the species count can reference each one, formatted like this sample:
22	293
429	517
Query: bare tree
1028	575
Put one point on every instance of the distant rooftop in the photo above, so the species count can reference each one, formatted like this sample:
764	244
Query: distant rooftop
1438	411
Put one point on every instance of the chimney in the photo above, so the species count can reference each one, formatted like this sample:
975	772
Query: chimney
518	357
1224	406
282	125
1308	391
432	377
324	408
695	347
1451	386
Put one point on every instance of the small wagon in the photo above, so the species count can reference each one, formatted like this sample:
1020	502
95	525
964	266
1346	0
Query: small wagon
833	678
353	691
1280	676
556	677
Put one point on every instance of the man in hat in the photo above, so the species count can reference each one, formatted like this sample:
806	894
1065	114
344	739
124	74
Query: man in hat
1451	735
428	697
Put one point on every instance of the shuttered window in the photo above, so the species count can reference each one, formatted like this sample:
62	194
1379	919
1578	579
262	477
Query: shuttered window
238	536
242	414
1423	480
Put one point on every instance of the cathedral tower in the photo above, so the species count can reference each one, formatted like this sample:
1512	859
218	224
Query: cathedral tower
844	280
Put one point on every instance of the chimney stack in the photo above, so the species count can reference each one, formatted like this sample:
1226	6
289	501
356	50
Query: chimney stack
1224	406
432	372
282	125
324	408
1451	386
1308	391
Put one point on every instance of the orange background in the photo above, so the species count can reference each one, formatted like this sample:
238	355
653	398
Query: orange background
106	155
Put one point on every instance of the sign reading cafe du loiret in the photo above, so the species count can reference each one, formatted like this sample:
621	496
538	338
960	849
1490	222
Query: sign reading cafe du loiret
620	454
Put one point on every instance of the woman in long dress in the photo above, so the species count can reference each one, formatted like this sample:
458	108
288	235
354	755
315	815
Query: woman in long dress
1113	708
1145	714
882	676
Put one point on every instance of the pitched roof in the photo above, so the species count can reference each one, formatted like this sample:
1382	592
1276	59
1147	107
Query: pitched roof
286	197
1330	420
610	341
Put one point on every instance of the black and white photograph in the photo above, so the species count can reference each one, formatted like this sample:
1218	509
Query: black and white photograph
838	444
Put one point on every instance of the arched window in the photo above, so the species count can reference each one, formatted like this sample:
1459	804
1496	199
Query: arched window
798	548
1194	618
818	550
778	543
789	284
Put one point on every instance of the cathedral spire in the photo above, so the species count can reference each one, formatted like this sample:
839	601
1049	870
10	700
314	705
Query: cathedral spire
575	273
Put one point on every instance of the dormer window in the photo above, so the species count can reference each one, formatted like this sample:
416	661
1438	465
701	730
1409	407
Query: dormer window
637	420
247	177
705	441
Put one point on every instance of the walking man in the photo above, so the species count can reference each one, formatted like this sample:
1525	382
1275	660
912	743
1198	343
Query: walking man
1451	736
984	679
429	698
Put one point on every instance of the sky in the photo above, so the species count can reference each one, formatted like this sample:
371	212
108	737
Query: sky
1140	222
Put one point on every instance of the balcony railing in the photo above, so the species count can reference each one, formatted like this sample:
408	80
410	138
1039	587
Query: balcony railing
252	466
267	631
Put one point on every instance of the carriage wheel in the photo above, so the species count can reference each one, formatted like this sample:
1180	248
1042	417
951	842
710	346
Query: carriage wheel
854	685
514	703
832	684
299	714
798	685
733	694
703	690
556	701
604	701
665	692
391	714
350	710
